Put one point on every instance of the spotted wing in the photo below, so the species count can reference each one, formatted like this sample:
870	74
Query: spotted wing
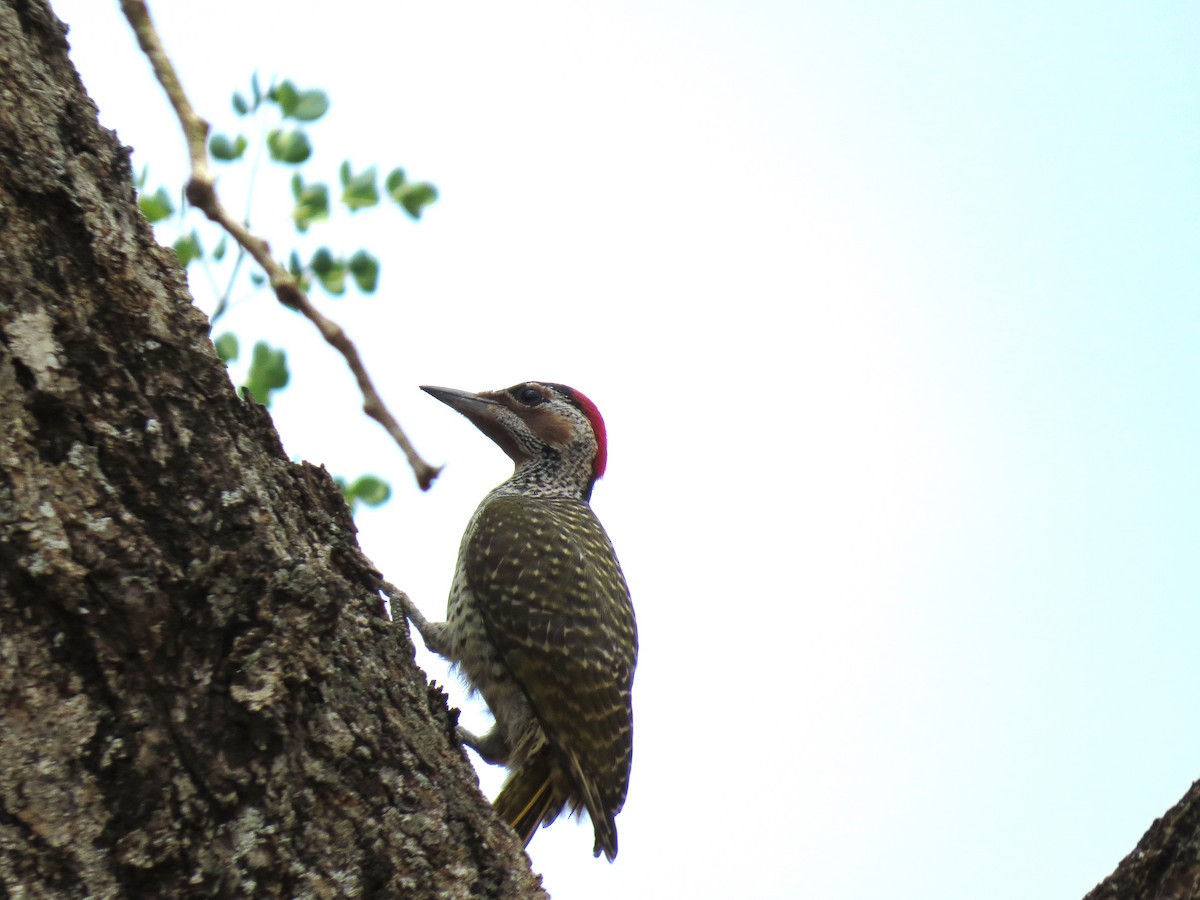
557	608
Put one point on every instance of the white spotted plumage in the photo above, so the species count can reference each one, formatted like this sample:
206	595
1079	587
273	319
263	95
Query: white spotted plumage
540	620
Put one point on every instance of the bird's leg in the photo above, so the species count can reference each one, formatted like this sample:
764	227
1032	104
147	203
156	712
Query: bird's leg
432	633
492	747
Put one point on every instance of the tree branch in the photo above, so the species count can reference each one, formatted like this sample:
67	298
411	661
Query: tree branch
202	194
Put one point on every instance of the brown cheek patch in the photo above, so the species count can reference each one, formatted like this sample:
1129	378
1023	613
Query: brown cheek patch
547	426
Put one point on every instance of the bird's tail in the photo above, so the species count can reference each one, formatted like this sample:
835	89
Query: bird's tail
536	792
529	796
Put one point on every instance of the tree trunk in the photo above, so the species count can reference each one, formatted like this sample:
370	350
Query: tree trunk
199	695
1165	865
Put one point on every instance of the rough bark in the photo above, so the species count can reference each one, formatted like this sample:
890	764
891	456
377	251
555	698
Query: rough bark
1165	865
198	694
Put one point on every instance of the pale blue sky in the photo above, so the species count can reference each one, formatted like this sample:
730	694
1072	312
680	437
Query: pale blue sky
892	310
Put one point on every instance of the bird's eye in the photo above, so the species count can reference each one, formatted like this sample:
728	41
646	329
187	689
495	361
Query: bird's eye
530	396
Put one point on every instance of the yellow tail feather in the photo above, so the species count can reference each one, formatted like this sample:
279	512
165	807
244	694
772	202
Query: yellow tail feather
528	797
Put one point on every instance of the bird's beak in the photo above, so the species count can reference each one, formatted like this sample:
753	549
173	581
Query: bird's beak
481	411
470	405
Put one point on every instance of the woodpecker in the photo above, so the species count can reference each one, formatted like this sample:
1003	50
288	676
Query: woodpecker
540	620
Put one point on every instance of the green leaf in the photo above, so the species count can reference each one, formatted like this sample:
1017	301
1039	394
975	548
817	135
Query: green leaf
292	147
258	279
415	197
365	269
268	372
366	489
359	191
218	253
394	181
240	106
255	90
334	281
225	150
297	271
157	206
312	203
187	248
284	94
311	106
140	181
303	106
227	347
330	272
371	490
322	261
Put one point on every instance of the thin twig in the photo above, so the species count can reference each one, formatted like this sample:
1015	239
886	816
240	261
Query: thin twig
202	194
223	297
